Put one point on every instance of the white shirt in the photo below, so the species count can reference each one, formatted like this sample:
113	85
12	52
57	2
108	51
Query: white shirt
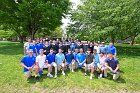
41	60
27	45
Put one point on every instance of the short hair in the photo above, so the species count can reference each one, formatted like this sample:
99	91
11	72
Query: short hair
88	49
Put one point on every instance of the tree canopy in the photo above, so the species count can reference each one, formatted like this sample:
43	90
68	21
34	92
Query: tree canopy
28	17
106	20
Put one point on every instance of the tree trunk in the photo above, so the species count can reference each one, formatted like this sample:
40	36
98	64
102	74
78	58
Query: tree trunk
21	39
132	40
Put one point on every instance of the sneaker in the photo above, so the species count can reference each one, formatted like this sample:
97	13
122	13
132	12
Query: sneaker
72	70
48	75
100	76
37	78
63	73
55	76
85	74
91	77
51	76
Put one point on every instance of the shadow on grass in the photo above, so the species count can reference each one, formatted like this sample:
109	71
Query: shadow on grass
127	50
119	80
9	48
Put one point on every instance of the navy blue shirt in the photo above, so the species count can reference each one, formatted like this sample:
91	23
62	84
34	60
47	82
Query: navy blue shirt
69	58
112	63
28	61
50	58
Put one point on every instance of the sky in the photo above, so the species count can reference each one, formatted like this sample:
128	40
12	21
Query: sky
65	21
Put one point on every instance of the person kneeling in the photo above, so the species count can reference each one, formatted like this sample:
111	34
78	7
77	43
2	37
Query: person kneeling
112	64
89	62
28	62
50	59
41	63
70	60
60	58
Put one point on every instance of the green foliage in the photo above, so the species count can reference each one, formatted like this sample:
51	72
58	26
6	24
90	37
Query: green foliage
102	19
31	16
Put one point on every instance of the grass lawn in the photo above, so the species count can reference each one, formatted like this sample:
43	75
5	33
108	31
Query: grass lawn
12	78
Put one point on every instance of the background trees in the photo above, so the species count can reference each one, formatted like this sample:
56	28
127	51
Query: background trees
28	17
106	20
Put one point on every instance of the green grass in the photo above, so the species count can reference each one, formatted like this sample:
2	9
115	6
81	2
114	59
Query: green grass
12	79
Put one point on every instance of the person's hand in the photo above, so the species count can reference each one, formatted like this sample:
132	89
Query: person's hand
29	68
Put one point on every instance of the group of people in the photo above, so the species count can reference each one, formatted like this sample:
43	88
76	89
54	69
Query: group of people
62	55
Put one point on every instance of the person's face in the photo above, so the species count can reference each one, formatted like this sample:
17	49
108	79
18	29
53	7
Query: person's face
94	51
51	51
60	51
40	41
69	51
110	55
88	52
81	50
76	50
41	51
73	44
34	42
29	40
47	43
101	54
31	53
111	44
54	41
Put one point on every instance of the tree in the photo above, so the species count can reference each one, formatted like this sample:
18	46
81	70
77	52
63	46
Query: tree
32	16
107	19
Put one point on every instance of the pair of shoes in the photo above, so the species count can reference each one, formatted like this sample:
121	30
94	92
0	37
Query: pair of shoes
49	75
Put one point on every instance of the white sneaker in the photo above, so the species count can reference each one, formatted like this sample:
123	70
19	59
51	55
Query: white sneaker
101	75
48	75
51	76
85	74
90	77
55	76
72	70
63	73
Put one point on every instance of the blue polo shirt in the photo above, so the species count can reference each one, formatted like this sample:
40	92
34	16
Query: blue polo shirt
59	58
28	61
112	49
50	58
81	57
33	47
96	58
75	55
69	58
38	47
112	63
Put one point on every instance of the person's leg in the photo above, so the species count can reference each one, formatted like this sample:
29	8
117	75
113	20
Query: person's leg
116	76
28	74
63	68
86	67
49	70
92	71
36	70
105	71
72	66
55	67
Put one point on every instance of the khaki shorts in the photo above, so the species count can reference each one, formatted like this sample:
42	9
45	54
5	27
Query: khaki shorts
115	76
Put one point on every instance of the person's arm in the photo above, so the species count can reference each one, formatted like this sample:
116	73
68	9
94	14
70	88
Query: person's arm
117	68
25	51
115	52
23	65
106	64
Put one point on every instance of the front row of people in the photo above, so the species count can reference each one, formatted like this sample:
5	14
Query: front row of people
90	62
